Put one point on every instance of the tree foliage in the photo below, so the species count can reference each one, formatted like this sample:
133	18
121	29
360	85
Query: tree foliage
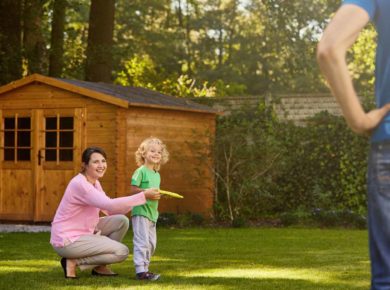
237	47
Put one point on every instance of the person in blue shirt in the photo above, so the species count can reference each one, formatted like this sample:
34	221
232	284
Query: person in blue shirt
338	37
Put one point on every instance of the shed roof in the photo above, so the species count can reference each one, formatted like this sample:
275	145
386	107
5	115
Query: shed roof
114	94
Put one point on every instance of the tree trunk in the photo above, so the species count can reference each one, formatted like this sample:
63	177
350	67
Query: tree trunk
100	40
33	41
188	40
56	59
10	41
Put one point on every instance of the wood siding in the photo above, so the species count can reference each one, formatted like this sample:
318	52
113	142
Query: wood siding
188	171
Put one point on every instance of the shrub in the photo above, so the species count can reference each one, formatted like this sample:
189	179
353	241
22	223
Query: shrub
339	218
265	167
167	219
180	220
298	216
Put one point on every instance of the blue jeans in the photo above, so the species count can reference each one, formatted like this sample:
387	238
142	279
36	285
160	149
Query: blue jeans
379	214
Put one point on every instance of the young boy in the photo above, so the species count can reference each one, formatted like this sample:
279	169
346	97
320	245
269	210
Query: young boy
149	157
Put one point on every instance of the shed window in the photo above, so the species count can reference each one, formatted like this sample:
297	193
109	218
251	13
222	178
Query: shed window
59	138
17	138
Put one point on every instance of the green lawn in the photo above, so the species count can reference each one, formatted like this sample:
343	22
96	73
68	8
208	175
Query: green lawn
248	258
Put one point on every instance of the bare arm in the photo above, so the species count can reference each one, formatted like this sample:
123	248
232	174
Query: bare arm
135	189
338	37
150	193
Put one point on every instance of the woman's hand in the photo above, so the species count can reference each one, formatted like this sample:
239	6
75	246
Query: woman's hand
152	193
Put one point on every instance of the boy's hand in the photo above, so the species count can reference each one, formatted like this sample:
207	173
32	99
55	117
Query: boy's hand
152	193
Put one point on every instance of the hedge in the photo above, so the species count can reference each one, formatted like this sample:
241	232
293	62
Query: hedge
265	168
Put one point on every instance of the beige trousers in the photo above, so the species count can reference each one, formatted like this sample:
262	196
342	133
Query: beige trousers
101	248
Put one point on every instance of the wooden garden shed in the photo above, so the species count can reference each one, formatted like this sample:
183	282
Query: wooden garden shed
47	122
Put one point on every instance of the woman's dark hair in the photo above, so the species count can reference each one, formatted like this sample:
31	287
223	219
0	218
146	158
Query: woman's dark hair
89	151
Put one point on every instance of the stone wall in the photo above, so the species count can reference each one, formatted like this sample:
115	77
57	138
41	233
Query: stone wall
299	107
288	107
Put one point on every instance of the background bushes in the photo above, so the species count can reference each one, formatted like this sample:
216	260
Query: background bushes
267	169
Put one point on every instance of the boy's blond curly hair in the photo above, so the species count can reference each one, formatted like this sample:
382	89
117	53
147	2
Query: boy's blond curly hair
143	148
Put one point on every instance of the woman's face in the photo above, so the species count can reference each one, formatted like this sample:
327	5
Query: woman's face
96	166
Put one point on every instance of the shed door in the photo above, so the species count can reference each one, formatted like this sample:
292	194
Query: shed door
40	153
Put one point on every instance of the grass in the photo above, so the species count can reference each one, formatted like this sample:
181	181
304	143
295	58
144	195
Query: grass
244	258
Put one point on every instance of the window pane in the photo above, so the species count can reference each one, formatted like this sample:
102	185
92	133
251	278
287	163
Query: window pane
9	154
24	123
9	139
51	123
66	123
66	139
50	155
51	139
24	154
66	155
24	139
9	123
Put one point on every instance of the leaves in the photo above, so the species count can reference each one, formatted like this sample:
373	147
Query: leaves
235	47
265	167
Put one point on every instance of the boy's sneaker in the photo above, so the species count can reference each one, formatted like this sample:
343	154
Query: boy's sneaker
147	276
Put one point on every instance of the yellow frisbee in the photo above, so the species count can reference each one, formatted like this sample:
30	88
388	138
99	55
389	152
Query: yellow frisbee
172	194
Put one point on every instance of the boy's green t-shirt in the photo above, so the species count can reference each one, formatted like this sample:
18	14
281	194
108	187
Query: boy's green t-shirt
145	178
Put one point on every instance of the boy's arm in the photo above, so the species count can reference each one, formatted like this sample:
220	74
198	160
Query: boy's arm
136	180
135	189
150	193
339	35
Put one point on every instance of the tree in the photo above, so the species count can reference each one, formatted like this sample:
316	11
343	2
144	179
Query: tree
277	43
100	41
361	61
150	27
33	38
56	59
10	40
239	47
76	38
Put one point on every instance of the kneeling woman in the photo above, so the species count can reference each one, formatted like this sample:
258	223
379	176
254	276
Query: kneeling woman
78	234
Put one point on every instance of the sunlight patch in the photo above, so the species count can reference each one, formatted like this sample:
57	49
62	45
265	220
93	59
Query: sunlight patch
30	263
26	266
263	273
165	259
14	269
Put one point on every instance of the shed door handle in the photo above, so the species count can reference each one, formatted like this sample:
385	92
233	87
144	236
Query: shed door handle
39	157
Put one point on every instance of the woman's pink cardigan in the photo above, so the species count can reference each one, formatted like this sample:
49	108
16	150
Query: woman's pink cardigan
78	212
